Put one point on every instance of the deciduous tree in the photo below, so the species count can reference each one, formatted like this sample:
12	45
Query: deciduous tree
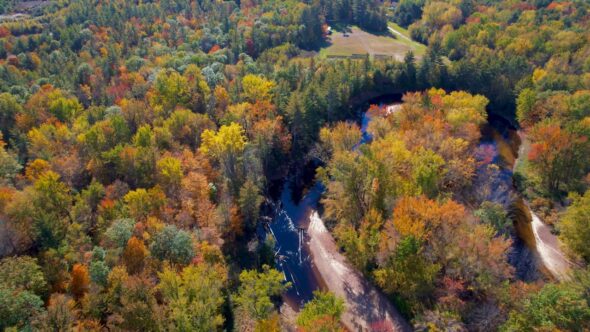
134	255
173	245
322	313
257	290
193	298
80	281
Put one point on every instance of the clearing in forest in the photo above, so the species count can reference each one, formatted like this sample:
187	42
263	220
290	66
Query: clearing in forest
352	41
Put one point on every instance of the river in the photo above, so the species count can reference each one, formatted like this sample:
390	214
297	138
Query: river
291	217
288	227
536	252
309	258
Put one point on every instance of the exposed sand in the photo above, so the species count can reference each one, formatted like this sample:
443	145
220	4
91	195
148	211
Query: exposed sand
288	318
549	249
367	309
393	109
547	244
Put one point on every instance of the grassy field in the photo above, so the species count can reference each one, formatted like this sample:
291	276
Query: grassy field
403	36
352	40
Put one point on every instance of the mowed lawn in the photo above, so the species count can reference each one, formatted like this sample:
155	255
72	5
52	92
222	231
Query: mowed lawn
357	41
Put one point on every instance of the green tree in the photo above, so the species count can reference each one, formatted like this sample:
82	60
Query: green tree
22	273
249	201
525	105
170	89
144	137
198	88
408	274
494	215
322	314
99	272
65	109
361	244
428	171
9	108
17	308
555	307
173	244
86	208
9	166
193	298
257	290
575	226
52	204
120	232
408	11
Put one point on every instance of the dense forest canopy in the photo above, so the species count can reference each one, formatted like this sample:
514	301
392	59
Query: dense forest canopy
140	142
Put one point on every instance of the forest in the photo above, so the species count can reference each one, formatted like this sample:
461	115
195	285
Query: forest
175	165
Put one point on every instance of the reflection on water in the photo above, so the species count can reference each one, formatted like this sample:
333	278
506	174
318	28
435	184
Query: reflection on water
537	235
292	254
535	247
290	219
497	153
524	256
520	213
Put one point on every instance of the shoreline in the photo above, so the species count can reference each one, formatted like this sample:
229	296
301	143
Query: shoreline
547	245
366	307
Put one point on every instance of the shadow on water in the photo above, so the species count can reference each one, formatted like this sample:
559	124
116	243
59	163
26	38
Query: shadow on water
289	208
293	200
501	139
292	257
524	256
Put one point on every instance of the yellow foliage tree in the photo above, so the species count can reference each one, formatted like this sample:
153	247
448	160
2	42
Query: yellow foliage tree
257	88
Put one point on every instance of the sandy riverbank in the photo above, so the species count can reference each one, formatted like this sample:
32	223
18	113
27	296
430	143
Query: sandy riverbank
367	309
549	249
547	245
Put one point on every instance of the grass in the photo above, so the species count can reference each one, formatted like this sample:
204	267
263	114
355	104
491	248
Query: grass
348	41
418	48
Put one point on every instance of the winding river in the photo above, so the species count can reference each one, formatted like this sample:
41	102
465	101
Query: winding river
308	257
537	252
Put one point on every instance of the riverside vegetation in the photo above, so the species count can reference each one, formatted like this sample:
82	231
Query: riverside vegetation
142	144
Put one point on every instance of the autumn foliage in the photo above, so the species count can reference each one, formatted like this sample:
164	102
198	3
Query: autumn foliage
141	144
80	281
134	255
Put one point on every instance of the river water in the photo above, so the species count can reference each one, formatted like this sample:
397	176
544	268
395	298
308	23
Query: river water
536	253
290	219
288	227
499	146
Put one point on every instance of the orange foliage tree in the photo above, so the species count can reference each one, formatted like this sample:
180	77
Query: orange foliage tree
134	255
80	281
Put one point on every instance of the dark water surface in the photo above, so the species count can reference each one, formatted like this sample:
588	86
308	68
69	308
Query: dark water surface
288	227
500	140
290	219
293	205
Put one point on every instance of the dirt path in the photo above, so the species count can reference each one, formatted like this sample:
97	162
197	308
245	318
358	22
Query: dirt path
399	34
367	309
